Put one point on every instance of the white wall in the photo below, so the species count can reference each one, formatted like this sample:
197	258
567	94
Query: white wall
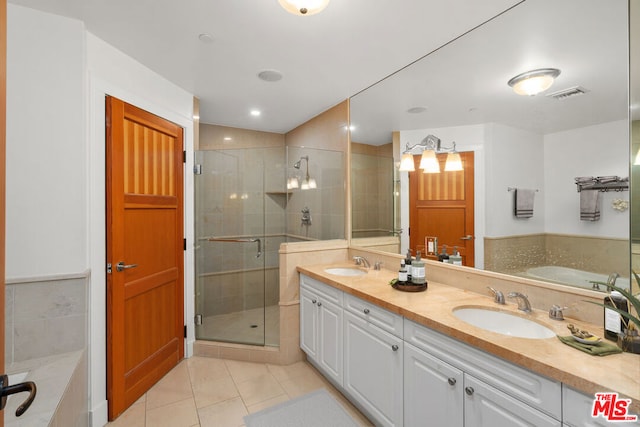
58	75
113	73
46	147
598	150
514	158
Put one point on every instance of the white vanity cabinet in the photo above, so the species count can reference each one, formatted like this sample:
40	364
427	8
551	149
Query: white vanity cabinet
373	361
321	327
576	411
433	390
492	391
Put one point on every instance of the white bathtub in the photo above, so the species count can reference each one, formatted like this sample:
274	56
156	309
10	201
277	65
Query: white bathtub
571	276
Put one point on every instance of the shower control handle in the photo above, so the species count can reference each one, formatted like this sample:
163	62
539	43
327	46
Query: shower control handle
121	266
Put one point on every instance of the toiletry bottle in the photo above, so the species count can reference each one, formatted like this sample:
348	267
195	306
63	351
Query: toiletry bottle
417	270
613	321
407	262
455	259
402	274
443	256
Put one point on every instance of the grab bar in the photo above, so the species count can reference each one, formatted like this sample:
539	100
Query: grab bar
225	239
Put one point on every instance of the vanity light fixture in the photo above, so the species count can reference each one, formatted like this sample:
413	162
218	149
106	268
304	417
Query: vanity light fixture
533	82
303	7
430	146
307	182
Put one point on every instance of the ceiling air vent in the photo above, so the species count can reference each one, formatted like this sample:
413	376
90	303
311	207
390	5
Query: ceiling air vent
568	93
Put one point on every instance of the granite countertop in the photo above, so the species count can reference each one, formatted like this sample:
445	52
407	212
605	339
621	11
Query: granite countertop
433	308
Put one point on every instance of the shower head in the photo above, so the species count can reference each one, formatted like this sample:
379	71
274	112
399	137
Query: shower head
297	164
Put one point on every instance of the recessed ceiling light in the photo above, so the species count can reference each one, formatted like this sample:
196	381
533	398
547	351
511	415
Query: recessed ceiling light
270	75
206	38
227	138
255	113
417	110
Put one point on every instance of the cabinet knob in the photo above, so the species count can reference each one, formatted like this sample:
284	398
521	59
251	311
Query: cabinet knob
366	311
394	347
319	303
313	301
469	390
452	381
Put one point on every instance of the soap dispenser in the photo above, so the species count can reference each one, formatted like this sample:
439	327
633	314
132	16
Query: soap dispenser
456	258
407	262
417	270
443	256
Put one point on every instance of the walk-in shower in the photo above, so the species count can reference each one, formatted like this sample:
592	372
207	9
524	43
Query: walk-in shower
245	208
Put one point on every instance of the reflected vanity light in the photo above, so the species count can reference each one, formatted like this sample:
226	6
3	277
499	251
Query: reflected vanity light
430	146
533	82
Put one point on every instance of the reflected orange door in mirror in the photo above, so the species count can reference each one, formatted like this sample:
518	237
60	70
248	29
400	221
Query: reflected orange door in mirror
441	205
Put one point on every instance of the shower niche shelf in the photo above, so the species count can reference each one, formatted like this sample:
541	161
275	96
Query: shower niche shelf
280	197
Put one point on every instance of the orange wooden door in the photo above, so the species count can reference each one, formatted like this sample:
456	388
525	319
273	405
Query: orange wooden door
441	205
3	128
145	321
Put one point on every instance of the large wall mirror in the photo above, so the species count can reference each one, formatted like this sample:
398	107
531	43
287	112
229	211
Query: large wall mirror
534	146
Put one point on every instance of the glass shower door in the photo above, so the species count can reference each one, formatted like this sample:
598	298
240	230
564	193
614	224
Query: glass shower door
230	260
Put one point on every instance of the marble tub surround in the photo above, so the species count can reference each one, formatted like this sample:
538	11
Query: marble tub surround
548	357
45	316
61	398
511	254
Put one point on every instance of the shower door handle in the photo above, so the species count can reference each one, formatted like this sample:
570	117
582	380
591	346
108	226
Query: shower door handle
6	390
254	240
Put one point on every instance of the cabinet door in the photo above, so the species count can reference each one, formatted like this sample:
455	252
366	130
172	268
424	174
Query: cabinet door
373	370
330	339
577	408
308	323
486	406
433	391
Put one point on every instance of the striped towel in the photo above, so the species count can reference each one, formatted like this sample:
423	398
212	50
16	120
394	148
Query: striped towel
590	202
524	203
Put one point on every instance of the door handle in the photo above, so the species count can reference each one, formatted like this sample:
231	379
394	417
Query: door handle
467	237
121	266
6	390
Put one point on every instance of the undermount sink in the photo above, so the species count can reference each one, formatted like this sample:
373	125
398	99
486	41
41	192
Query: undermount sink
503	323
345	271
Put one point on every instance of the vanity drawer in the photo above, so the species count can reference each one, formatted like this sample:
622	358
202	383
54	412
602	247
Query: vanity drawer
534	390
328	293
378	316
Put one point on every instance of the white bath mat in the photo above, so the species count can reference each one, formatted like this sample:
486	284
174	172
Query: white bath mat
316	409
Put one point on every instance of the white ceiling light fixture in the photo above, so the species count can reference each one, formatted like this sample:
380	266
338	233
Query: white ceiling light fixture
430	146
303	7
533	82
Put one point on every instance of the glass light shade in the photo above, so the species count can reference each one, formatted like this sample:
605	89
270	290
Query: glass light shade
312	183
454	163
292	183
406	163
534	82
429	163
303	7
305	185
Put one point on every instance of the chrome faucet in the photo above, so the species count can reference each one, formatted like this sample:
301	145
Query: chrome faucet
360	260
523	301
498	296
611	280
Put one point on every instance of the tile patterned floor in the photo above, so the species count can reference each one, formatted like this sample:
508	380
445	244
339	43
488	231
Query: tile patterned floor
208	392
254	326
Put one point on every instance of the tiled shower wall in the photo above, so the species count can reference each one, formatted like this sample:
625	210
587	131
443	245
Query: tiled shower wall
45	317
513	254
